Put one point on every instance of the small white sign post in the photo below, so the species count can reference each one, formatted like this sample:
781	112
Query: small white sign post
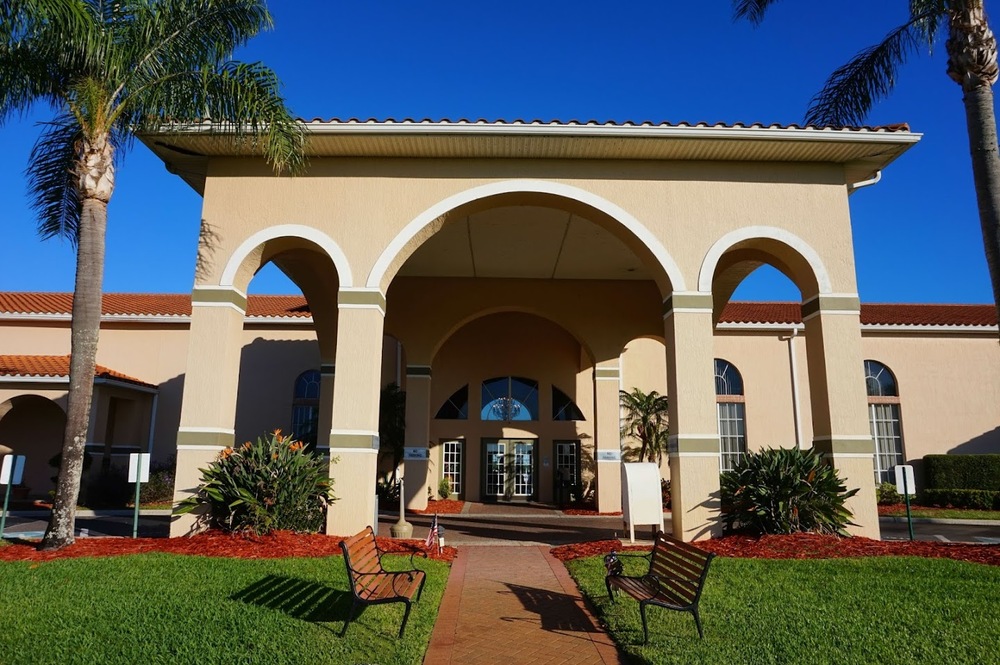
906	487
11	473
642	500
138	473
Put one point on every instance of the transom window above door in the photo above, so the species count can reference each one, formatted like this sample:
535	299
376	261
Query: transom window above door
509	398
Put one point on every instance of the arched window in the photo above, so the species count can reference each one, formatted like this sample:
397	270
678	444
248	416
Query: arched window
563	408
731	406
456	407
305	407
884	419
509	398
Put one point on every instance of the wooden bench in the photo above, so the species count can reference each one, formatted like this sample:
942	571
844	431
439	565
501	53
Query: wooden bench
371	583
674	581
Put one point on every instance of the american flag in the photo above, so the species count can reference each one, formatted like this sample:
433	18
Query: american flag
432	535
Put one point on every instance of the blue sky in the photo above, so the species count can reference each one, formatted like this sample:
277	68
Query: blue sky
917	236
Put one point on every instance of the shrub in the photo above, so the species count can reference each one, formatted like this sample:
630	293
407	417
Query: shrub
785	490
444	488
665	492
257	488
160	488
951	498
967	472
886	494
109	489
387	491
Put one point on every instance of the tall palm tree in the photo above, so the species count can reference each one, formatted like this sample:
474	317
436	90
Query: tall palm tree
851	90
645	418
110	69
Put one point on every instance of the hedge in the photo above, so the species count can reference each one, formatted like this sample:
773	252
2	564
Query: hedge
974	499
966	472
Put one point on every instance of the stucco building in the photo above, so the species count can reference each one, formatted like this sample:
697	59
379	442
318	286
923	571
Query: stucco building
513	277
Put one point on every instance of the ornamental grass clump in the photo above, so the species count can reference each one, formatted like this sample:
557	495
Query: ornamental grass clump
785	490
260	487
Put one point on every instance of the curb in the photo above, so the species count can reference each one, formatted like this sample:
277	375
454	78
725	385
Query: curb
938	520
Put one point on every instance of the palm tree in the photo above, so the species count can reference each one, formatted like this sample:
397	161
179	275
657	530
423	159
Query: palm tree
392	424
851	90
108	70
645	418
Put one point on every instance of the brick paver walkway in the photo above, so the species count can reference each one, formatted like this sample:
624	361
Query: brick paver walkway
514	604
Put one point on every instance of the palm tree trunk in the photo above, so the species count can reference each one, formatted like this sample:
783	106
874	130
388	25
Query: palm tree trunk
96	176
982	126
972	63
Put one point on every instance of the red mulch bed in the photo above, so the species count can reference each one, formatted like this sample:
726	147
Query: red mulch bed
585	509
807	546
277	545
442	507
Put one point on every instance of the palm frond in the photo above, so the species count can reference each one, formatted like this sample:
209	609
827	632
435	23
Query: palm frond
51	179
241	98
751	10
927	17
853	89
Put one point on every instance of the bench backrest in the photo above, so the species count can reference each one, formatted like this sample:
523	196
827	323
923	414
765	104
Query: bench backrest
363	557
679	567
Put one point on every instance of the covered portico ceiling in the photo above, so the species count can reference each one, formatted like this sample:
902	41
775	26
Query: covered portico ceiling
863	151
529	242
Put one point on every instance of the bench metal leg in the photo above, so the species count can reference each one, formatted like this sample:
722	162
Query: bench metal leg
697	622
645	628
406	615
350	615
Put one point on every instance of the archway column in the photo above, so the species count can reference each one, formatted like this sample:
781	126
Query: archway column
211	380
416	457
607	431
354	443
324	424
694	428
841	431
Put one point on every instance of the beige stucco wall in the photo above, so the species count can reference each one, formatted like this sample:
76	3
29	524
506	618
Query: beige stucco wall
948	391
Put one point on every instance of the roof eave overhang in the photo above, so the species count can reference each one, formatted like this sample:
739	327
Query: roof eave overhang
187	149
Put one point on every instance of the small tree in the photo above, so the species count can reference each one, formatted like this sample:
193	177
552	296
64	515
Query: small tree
646	419
392	424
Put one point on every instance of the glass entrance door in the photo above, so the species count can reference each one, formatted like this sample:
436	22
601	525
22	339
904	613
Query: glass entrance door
509	468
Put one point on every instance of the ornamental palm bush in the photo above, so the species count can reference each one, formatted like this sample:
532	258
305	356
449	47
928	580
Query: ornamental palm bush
274	483
785	490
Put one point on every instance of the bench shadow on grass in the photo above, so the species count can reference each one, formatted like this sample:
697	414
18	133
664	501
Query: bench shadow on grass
298	598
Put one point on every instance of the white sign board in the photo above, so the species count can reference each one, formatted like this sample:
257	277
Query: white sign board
642	501
415	453
905	472
135	461
12	470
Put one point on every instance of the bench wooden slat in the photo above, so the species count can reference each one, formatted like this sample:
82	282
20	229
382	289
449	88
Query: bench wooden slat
666	563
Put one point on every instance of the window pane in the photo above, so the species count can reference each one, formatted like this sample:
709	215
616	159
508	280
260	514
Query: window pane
456	407
563	408
452	465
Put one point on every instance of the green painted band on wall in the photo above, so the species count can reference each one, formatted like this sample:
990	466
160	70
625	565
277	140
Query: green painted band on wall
361	298
223	440
701	301
607	372
418	370
831	304
682	445
220	295
361	441
837	446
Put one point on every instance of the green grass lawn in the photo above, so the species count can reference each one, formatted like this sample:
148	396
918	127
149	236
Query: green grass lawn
163	608
877	610
946	513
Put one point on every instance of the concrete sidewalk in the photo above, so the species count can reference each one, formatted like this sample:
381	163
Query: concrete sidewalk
515	604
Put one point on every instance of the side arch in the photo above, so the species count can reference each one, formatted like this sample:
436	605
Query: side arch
313	235
818	276
409	238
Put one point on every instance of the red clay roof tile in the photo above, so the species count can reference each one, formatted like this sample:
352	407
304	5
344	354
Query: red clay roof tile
39	366
283	307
